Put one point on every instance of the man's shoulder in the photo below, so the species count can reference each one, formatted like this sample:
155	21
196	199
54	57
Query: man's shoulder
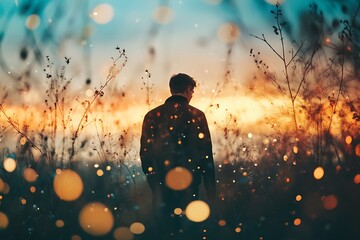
154	112
195	111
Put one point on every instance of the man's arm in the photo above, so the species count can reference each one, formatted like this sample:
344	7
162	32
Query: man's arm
146	145
208	166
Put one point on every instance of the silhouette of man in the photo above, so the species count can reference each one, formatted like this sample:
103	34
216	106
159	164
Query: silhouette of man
176	139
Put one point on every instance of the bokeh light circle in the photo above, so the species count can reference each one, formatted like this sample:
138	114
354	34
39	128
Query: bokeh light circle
297	221
228	33
2	185
96	219
222	223
4	221
75	237
178	178
329	202
163	14
177	211
9	164
318	173
32	22
356	179
23	141
30	175
357	150
197	211
6	188
348	140
137	228
59	223
123	233
68	185
102	13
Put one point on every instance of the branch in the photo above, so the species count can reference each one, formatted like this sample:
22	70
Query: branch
11	122
271	47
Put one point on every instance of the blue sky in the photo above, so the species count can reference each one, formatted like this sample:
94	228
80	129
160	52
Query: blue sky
189	42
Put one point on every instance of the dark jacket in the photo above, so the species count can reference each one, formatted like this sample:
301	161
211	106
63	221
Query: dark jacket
177	134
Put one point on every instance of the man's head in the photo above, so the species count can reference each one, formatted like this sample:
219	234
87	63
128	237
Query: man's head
182	84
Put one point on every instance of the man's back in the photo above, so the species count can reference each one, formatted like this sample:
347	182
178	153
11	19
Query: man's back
176	134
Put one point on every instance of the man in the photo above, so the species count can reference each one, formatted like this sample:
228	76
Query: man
175	135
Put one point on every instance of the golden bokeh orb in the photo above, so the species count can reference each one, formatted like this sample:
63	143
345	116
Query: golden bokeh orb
96	219
163	14
197	211
4	220
222	223
357	150
23	141
102	13
32	21
297	221
229	33
123	233
32	189
178	211
59	223
6	188
178	178
9	164
137	228
348	140
75	237
30	175
356	179
100	172
295	149
318	173
2	185
68	185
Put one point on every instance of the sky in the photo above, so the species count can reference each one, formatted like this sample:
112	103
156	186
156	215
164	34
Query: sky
203	38
184	35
